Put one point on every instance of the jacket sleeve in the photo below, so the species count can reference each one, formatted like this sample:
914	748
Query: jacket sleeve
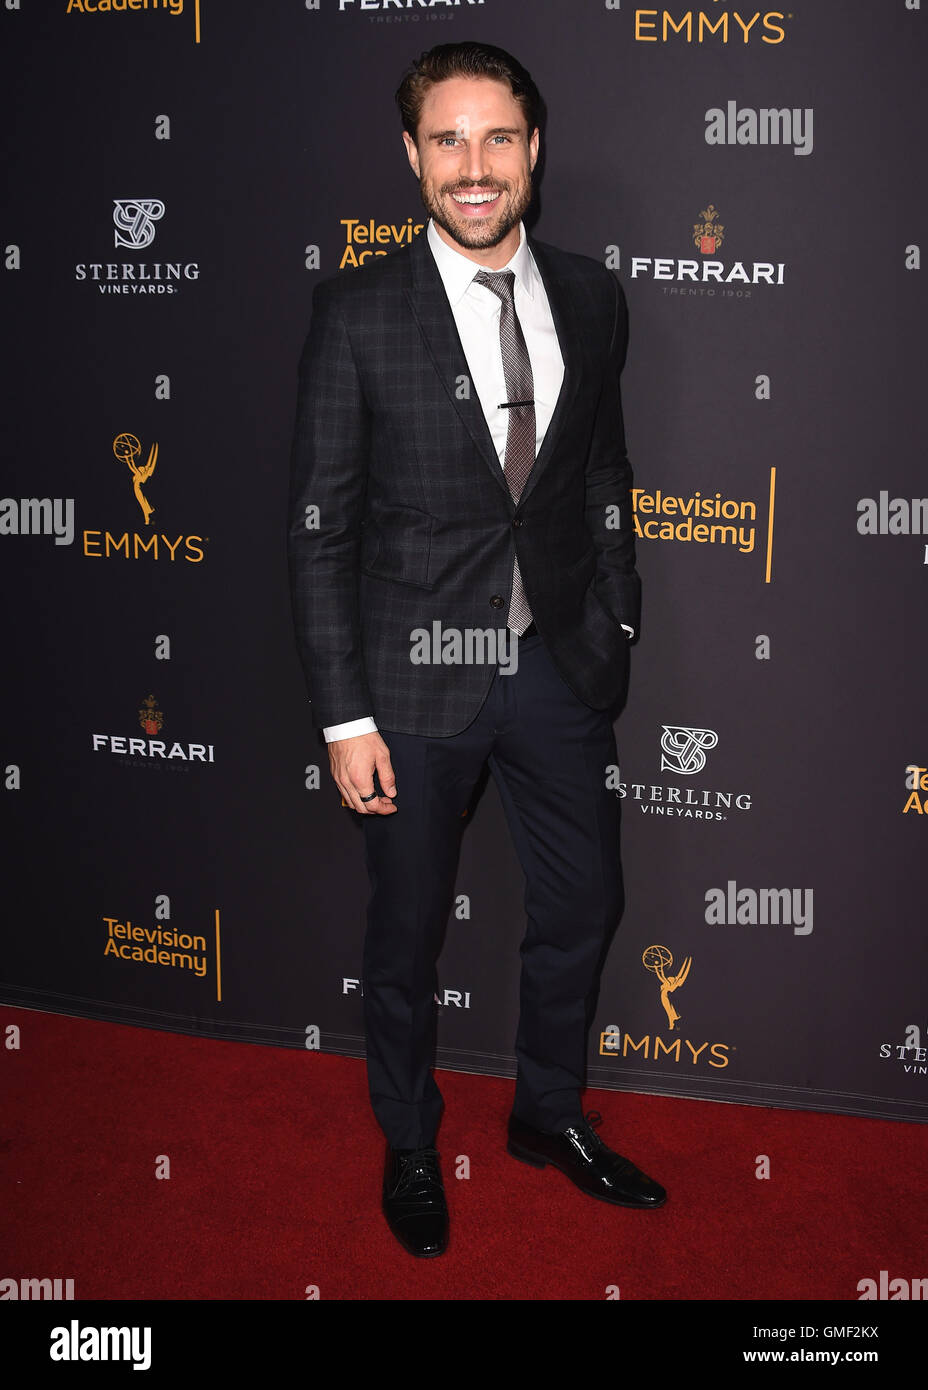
328	481
609	515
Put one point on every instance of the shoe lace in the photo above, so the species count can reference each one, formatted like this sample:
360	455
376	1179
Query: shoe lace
420	1170
594	1119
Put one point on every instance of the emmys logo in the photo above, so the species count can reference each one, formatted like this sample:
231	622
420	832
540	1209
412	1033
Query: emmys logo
127	449
100	544
658	960
684	749
717	27
135	220
614	1042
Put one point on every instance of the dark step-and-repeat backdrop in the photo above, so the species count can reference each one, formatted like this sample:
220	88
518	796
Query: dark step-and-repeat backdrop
180	175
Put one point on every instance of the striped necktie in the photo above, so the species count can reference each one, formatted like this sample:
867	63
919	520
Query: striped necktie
520	437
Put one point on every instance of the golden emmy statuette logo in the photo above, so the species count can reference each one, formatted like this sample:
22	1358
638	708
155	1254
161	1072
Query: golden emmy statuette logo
658	960
150	716
128	449
708	233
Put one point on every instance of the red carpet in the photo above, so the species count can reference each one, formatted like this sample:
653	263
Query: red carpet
275	1165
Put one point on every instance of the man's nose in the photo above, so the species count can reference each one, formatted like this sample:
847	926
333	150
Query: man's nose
475	163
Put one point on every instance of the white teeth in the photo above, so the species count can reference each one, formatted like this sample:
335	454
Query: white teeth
474	197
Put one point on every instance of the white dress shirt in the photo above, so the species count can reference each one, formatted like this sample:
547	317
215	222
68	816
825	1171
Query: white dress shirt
476	311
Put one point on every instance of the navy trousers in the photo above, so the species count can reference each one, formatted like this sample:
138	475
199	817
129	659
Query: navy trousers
548	754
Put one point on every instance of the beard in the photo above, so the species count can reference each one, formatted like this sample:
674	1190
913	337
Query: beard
489	231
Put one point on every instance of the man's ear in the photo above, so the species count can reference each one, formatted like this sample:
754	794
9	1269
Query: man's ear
412	153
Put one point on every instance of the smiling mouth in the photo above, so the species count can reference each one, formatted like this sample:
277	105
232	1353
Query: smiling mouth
475	199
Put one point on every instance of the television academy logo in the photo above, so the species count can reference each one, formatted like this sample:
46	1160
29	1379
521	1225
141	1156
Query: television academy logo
366	240
152	751
614	1042
164	946
726	521
171	8
134	221
699	277
100	544
684	750
916	782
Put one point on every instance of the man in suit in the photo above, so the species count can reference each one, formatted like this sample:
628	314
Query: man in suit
459	427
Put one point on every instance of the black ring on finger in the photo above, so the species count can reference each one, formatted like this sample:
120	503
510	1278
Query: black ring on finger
369	798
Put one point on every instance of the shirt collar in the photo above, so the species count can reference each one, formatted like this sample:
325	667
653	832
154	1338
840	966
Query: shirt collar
457	272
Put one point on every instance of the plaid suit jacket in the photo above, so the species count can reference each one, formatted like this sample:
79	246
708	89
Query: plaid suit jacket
415	524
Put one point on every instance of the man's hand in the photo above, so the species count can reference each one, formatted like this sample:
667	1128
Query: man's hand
353	761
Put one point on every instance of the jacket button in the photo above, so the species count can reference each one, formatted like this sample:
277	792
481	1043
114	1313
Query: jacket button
517	521
497	601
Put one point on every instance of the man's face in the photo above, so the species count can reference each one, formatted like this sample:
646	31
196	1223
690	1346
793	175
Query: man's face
474	157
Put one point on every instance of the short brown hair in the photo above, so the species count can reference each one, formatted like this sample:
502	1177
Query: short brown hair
465	60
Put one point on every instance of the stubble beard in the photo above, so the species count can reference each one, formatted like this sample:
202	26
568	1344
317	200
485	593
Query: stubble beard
473	234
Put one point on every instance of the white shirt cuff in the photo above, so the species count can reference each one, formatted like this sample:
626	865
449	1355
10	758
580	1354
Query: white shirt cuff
629	630
351	729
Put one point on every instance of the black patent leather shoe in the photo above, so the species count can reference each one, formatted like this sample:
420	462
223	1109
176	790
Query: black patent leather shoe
414	1201
587	1161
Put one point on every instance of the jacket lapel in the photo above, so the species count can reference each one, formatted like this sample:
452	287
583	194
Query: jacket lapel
430	307
567	328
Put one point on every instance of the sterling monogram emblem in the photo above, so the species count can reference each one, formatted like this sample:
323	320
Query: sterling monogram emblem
683	749
135	220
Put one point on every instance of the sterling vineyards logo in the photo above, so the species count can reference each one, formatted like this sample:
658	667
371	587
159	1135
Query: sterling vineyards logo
911	1055
684	751
134	221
